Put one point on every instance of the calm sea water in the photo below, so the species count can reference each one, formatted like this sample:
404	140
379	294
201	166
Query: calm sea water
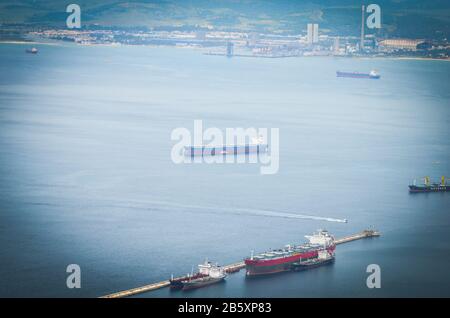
86	175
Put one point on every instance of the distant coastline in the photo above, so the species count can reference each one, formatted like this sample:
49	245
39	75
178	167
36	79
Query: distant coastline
63	43
30	43
422	58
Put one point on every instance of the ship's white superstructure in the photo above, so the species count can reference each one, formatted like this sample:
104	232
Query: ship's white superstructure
321	237
204	268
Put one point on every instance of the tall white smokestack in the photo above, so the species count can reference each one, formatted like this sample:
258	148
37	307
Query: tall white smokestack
361	44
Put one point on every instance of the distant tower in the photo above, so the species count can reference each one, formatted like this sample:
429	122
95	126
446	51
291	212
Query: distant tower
361	44
310	33
313	33
230	49
336	45
253	39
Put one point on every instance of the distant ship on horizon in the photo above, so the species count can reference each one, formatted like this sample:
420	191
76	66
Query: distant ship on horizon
372	75
33	50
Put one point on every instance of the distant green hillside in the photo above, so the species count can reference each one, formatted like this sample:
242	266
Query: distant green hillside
403	18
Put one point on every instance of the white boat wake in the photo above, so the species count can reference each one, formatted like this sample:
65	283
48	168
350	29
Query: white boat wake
291	215
232	210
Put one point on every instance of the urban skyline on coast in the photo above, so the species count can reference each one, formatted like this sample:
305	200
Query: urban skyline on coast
312	34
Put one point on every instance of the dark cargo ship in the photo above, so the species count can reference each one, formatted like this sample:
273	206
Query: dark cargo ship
428	186
372	75
282	260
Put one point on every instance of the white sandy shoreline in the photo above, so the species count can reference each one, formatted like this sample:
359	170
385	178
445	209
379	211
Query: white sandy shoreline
30	43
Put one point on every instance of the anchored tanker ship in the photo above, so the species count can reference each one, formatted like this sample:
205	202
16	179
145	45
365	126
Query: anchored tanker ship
256	146
372	75
290	257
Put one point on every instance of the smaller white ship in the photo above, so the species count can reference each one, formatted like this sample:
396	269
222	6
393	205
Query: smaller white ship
33	50
214	274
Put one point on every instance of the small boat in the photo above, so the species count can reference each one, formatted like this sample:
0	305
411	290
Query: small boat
33	50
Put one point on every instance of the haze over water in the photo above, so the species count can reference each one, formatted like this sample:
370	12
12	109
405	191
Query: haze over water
86	175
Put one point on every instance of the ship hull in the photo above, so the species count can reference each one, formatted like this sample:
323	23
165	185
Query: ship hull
431	188
252	271
357	75
178	283
302	267
267	267
194	151
201	283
